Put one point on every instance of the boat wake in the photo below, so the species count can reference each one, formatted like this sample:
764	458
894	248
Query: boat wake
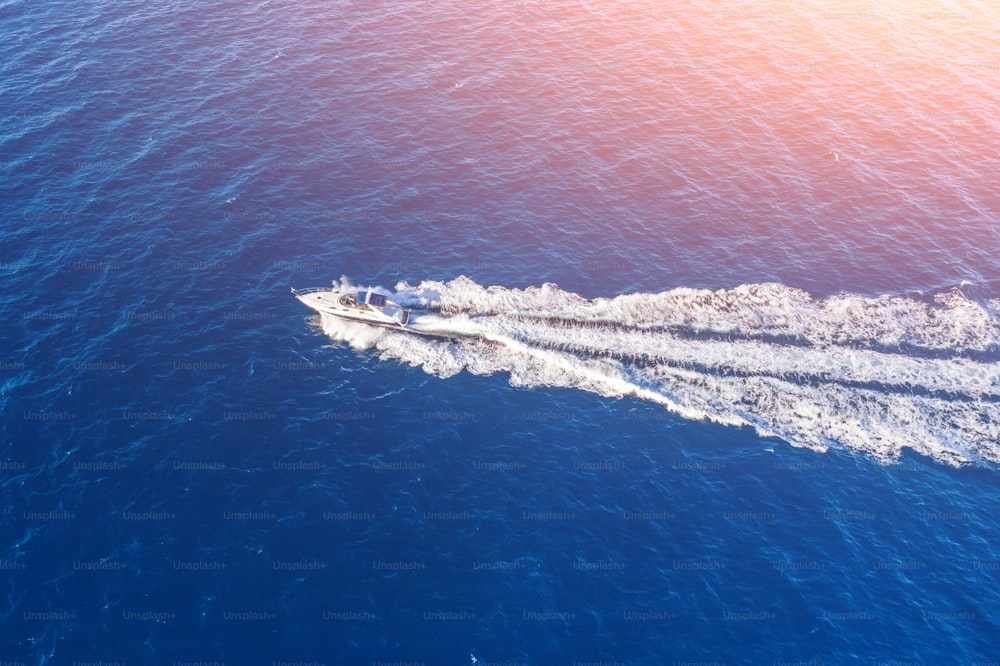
871	374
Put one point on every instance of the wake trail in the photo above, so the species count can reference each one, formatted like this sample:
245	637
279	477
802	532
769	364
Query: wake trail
871	374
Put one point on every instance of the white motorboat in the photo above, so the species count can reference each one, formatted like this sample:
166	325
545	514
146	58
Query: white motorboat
365	307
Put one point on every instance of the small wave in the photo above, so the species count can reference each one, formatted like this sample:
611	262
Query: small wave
876	375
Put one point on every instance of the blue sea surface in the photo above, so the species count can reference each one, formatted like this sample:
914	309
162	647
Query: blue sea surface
756	422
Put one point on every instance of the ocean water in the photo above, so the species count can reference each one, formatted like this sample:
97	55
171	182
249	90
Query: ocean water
718	302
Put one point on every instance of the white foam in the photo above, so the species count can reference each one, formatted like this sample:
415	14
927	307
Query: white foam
837	386
953	322
359	336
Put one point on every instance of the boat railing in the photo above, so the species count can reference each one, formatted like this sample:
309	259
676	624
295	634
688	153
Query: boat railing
308	290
